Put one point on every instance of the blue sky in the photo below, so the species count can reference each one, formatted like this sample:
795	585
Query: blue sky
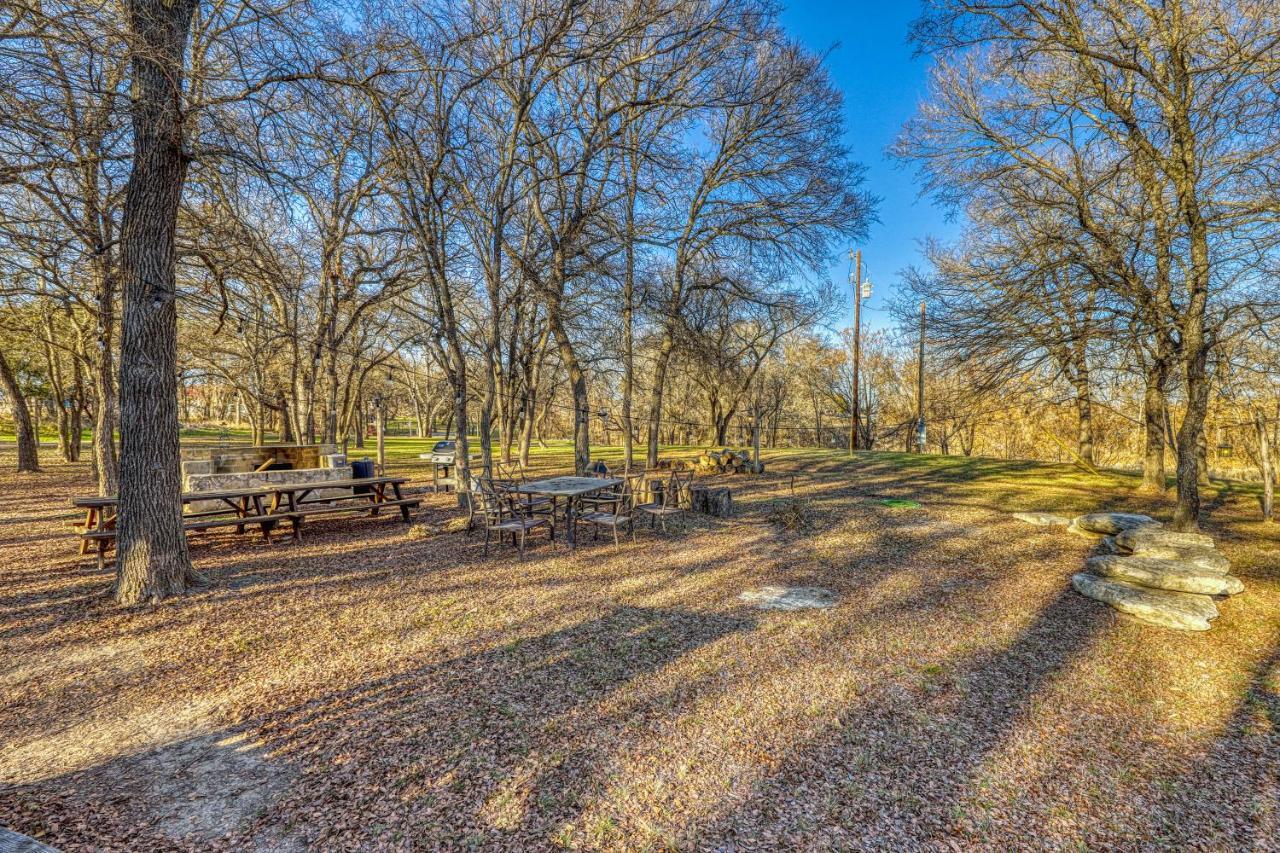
872	64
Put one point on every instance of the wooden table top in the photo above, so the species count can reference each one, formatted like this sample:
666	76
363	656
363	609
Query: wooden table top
187	497
567	487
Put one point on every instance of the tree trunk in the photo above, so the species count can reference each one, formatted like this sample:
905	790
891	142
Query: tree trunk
1084	415
661	362
1153	408
152	561
578	387
1265	467
28	443
1186	514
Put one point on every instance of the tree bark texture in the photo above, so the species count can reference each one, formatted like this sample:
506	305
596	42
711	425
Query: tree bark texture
152	561
28	443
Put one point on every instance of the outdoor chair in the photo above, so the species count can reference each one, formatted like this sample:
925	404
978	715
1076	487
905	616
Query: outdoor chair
502	514
513	475
613	510
676	490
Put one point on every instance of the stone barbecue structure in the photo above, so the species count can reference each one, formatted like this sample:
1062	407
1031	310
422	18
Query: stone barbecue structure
219	468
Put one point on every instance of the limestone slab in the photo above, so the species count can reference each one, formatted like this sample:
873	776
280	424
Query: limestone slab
1179	610
789	597
1043	519
1165	574
1110	523
1143	536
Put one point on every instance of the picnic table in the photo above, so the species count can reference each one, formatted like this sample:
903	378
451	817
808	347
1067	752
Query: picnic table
369	493
288	501
569	488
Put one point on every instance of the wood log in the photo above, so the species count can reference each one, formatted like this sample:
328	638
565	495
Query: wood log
708	500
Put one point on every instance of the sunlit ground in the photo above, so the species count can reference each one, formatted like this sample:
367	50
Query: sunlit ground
367	688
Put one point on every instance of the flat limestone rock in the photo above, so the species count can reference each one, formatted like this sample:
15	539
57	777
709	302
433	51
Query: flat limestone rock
1080	531
1110	523
1042	519
1165	574
1141	537
13	842
1180	610
789	597
1202	558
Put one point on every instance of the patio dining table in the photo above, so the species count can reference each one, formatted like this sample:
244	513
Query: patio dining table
569	488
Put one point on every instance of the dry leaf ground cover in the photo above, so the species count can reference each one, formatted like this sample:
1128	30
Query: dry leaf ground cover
372	689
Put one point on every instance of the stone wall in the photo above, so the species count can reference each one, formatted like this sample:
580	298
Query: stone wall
196	480
236	460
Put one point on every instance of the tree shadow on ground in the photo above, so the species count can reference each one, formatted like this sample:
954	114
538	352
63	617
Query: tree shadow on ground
1240	770
501	747
898	769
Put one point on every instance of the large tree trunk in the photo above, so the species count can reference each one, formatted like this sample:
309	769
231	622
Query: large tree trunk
1084	416
152	561
581	407
28	443
661	362
1186	514
1153	412
1265	466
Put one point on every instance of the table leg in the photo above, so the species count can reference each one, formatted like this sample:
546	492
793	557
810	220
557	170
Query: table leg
296	521
242	511
568	520
257	509
404	510
90	522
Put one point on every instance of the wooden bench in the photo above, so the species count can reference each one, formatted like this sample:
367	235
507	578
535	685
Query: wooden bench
289	502
266	522
296	516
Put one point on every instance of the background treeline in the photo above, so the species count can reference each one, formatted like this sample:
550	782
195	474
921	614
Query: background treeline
523	220
499	212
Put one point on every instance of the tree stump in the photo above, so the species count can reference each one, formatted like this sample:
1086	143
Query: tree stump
652	490
716	501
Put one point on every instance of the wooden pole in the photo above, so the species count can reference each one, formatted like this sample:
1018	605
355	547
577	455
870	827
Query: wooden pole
920	434
381	428
1264	460
857	350
755	437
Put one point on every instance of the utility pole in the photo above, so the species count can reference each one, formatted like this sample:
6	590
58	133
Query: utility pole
856	257
755	435
920	432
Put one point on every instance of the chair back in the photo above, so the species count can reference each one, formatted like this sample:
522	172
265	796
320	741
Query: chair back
511	472
630	491
490	498
677	491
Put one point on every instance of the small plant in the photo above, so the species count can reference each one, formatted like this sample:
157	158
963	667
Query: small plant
793	514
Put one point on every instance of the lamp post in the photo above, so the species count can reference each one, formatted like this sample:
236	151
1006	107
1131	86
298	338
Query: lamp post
920	428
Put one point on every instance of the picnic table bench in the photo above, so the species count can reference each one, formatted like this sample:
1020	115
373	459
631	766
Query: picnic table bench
288	502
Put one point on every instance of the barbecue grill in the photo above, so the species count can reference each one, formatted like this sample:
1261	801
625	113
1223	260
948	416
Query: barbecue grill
443	457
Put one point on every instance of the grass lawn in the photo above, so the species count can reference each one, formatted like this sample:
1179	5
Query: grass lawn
370	689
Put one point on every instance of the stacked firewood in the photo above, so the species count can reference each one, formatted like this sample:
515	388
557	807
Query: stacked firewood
727	461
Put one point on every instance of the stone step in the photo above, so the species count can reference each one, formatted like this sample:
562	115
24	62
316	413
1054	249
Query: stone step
1180	610
1043	519
1109	523
1139	537
1165	574
1202	558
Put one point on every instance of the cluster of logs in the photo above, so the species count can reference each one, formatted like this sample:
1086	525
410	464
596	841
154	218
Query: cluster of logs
726	461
